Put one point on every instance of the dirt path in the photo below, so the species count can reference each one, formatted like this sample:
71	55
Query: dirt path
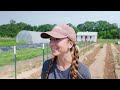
31	74
84	56
28	69
103	66
90	58
23	69
97	68
109	71
117	66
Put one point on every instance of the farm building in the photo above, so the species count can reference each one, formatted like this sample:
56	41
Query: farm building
87	36
30	37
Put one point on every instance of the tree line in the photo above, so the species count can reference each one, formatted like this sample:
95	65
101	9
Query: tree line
105	29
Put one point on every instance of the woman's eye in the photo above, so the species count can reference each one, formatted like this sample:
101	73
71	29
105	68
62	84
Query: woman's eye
57	39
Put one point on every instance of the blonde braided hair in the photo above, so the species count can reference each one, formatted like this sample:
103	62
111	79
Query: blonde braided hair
74	65
75	61
50	66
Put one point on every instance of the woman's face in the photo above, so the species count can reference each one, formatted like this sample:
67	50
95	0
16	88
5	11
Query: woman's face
60	45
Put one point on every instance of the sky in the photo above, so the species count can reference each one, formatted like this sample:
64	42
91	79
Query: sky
59	17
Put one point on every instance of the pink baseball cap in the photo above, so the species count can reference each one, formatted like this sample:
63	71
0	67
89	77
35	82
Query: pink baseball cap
61	31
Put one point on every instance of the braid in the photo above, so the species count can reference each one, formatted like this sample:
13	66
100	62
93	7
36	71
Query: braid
74	65
50	66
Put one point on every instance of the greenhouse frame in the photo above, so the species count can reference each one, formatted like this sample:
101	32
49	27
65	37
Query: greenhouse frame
30	37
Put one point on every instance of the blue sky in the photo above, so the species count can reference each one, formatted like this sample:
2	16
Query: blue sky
58	17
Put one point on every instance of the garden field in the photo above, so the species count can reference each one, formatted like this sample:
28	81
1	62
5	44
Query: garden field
102	59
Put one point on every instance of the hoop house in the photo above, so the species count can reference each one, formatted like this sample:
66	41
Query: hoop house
30	37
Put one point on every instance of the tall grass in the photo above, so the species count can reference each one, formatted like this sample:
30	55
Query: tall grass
23	54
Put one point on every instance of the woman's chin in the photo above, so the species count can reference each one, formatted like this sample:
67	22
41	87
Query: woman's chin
55	54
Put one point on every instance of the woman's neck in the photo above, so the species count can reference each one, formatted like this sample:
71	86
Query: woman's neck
64	61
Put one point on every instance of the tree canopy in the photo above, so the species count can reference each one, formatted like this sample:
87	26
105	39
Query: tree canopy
105	29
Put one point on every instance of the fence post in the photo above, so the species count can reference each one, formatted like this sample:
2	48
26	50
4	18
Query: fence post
15	59
43	52
47	51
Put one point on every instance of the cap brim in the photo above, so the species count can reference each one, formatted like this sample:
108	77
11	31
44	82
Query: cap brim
52	34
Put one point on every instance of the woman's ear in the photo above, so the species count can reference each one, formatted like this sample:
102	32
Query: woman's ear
70	44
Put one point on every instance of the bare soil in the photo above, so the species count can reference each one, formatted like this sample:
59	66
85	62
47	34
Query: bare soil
101	62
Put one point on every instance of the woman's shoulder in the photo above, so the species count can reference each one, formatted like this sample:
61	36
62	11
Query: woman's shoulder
47	62
84	71
82	66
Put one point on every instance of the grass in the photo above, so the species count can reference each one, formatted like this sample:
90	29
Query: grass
2	39
114	41
7	57
9	42
118	58
84	44
24	54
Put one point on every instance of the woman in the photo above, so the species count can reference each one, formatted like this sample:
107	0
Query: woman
65	62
